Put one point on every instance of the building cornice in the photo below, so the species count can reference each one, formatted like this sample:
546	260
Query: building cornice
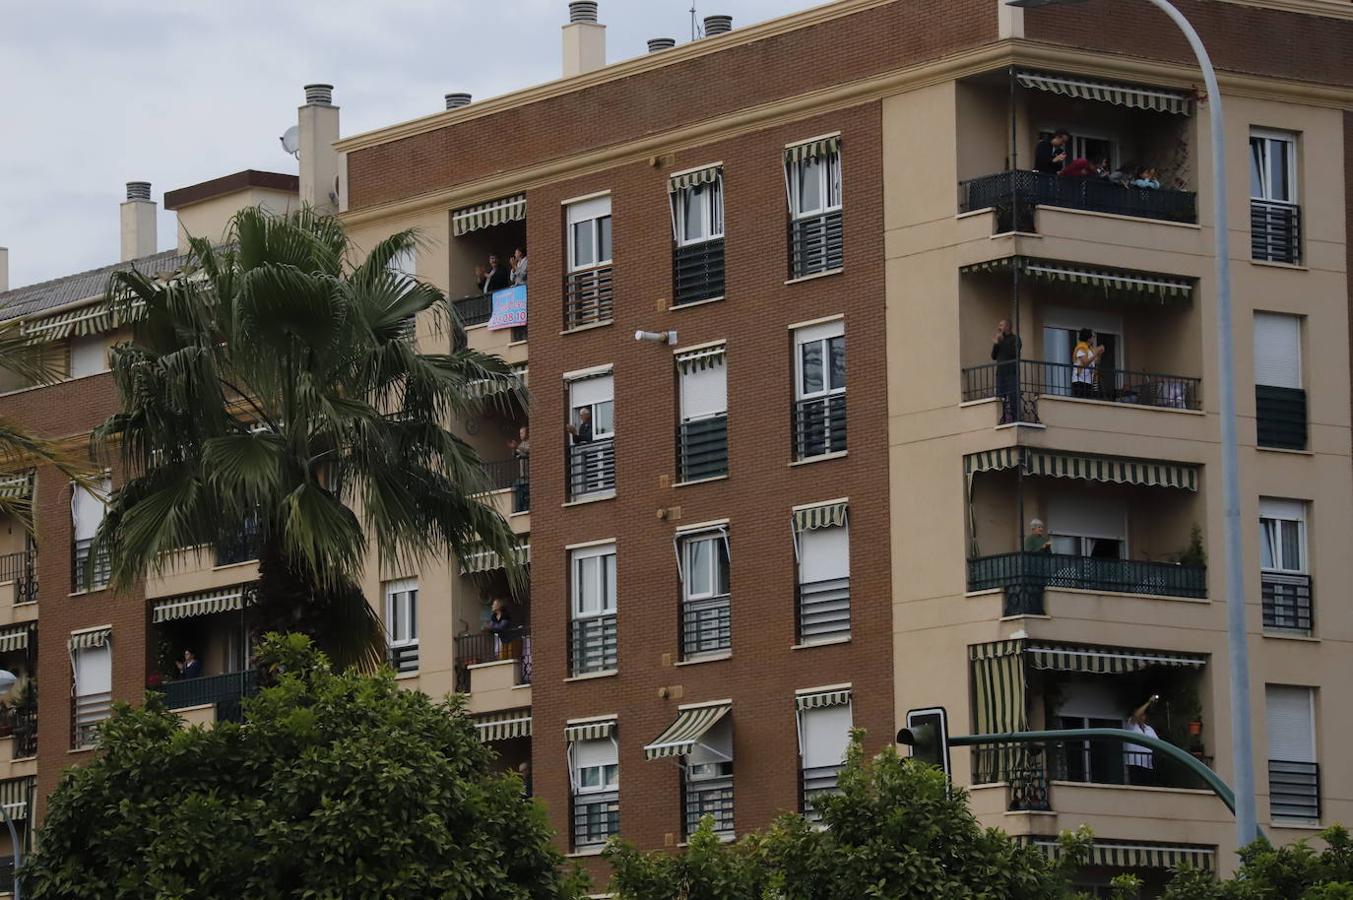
1334	9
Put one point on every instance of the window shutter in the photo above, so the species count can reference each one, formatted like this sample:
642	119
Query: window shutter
93	670
589	209
824	735
595	753
1291	734
587	391
1277	350
824	554
704	390
87	511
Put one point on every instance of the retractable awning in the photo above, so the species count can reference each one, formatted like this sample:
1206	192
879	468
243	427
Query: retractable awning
90	637
16	486
483	388
707	175
699	360
486	560
819	699
1093	660
1175	102
502	726
1108	470
1137	855
1148	286
813	149
486	215
14	638
14	794
79	322
203	603
690	726
826	515
589	731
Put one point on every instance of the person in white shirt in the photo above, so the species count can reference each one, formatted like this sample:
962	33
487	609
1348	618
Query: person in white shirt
519	266
1085	364
1141	761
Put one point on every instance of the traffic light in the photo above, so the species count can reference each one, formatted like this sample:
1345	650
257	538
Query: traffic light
927	734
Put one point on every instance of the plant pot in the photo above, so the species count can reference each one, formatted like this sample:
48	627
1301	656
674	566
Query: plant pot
1195	728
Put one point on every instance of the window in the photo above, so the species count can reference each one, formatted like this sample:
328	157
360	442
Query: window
822	541
405	262
593	609
697	228
92	659
1285	584
595	773
588	291
1293	774
1088	527
708	780
1275	217
702	437
706	613
591	444
87	511
824	736
820	390
1280	401
401	624
88	355
1091	147
697	209
813	184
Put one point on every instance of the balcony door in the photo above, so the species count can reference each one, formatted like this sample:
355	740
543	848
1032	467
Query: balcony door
1088	525
1060	327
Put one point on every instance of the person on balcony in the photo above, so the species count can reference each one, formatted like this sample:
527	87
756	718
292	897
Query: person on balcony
582	432
1141	761
1147	179
190	666
1038	540
497	277
1050	153
1085	364
521	452
506	634
1079	167
1005	348
519	266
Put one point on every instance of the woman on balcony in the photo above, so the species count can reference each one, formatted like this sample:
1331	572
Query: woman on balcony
1085	364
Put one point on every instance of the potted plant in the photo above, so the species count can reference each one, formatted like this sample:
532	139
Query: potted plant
1194	554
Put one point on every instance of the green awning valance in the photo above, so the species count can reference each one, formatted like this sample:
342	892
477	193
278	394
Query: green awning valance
1137	855
685	180
14	794
205	603
14	638
1179	103
1109	470
16	486
690	726
485	560
90	637
699	360
1120	282
589	731
1092	660
828	515
992	460
813	149
819	699
502	726
486	215
483	388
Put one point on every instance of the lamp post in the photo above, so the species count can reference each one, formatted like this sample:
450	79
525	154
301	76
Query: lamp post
1237	641
7	682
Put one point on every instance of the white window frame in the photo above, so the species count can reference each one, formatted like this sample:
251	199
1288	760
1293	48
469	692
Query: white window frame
822	335
608	778
830	180
594	406
590	213
711	211
1273	513
592	556
1267	160
401	612
715	537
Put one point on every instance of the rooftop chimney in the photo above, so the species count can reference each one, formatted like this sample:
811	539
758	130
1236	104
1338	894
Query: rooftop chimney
318	122
4	269
657	44
138	222
584	39
456	101
718	25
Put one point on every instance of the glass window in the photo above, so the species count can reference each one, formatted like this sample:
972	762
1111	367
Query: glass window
815	184
401	612
594	592
706	565
589	233
821	360
1282	535
1273	167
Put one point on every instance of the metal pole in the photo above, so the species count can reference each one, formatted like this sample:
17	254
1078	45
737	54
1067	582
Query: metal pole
1237	638
14	842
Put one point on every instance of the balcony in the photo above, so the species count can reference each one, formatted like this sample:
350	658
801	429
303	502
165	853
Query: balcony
590	468
589	297
1015	195
22	724
1275	232
823	610
241	547
511	475
1025	576
478	657
221	692
706	626
20	570
816	245
698	272
1287	603
473	310
702	448
819	426
87	576
596	817
1020	384
711	797
1294	790
592	645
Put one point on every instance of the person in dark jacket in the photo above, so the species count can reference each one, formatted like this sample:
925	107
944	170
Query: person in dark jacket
498	277
1005	347
505	632
1050	154
190	666
582	432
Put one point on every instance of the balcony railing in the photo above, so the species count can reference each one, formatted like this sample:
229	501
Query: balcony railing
242	547
596	817
1015	194
1287	602
1281	417
816	245
403	657
706	626
702	448
475	649
819	426
1019	395
589	297
1024	576
590	468
474	310
824	610
814	783
698	272
87	712
511	474
1029	769
85	577
1294	790
592	645
711	797
1023	770
1275	231
224	691
24	724
21	568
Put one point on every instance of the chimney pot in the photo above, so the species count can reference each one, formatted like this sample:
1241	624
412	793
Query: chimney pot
718	25
138	222
582	11
657	44
319	95
457	100
138	190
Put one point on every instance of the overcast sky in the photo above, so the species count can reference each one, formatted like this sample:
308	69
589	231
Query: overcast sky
96	93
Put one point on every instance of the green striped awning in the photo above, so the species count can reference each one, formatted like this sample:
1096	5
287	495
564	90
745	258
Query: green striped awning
485	560
1109	470
828	515
690	726
14	638
819	699
502	726
992	460
90	637
483	388
998	687
204	603
1137	855
589	731
1178	103
813	149
16	486
1092	660
707	175
90	319
699	360
1120	282
486	215
14	794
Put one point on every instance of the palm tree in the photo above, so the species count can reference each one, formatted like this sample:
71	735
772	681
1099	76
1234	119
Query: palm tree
275	387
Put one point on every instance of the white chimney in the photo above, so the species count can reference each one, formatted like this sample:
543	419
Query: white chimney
584	39
4	269
318	123
138	222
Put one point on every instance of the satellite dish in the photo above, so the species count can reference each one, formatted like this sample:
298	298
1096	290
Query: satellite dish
291	141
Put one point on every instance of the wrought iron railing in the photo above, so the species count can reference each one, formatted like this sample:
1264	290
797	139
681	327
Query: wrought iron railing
471	650
1024	576
87	576
596	817
816	244
403	657
813	783
1023	769
224	691
474	310
86	713
24	722
1015	194
1294	790
21	568
824	610
697	270
241	547
590	468
1029	769
1019	384
1287	602
1275	231
706	626
702	447
592	645
711	797
589	297
1280	417
514	475
819	426
526	668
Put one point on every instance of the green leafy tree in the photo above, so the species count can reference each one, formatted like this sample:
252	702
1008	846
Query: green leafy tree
338	785
1292	872
896	830
275	389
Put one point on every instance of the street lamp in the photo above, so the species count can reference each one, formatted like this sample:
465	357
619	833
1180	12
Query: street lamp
1237	645
7	681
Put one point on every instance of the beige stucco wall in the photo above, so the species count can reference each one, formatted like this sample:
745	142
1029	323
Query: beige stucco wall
210	218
